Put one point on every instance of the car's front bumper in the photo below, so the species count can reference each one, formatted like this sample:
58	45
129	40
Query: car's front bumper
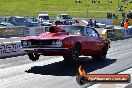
48	49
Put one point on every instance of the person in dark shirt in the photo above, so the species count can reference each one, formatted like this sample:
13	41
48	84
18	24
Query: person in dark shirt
122	23
90	22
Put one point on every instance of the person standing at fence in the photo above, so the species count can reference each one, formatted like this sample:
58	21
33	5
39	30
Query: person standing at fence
126	24
90	23
122	23
78	1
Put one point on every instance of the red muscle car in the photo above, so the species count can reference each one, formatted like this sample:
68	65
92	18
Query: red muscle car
69	41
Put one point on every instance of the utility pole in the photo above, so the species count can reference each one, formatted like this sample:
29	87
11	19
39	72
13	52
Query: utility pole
118	2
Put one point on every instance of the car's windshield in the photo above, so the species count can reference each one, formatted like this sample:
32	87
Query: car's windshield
20	19
66	17
29	19
76	30
23	20
44	17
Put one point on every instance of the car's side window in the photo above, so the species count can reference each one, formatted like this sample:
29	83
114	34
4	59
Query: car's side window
90	32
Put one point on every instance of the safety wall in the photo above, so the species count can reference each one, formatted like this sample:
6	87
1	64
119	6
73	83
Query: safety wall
105	21
10	49
16	31
14	48
99	20
111	21
34	31
115	34
13	31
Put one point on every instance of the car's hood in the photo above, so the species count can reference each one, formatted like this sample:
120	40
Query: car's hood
48	35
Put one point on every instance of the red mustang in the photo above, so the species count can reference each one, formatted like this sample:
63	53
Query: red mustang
69	41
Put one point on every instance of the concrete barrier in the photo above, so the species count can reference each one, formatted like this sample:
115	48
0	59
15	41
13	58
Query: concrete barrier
10	49
34	31
130	32
118	33
108	33
14	48
98	20
125	33
105	21
14	31
115	34
111	34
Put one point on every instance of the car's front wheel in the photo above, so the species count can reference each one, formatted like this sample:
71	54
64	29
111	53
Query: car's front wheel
73	56
102	55
33	56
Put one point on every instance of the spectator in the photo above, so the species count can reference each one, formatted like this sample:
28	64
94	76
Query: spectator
53	21
78	1
126	24
123	15
116	16
113	16
109	15
76	21
90	23
122	23
94	23
5	20
94	1
109	1
98	1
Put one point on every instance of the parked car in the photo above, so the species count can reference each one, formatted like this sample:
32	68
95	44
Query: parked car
69	41
20	21
6	24
64	19
44	19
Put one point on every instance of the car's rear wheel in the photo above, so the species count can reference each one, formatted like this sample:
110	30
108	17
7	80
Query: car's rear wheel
33	56
73	56
102	55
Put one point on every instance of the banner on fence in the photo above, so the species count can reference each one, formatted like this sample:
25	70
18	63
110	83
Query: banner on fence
34	31
118	33
130	31
22	31
125	33
14	32
111	34
10	49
